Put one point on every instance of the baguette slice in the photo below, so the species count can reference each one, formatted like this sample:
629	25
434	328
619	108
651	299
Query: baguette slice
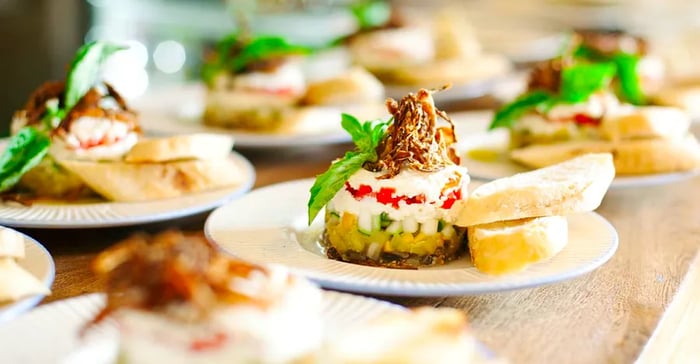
356	86
646	122
642	156
686	97
180	147
574	186
11	244
510	246
16	283
118	181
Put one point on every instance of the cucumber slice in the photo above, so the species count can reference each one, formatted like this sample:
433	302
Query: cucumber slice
364	223
376	222
410	225
394	228
385	220
441	225
429	227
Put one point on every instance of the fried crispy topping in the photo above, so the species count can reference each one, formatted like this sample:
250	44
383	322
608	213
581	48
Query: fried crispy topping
546	75
167	270
35	108
414	140
89	105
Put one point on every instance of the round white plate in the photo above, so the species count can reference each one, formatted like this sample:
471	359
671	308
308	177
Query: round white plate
57	215
39	263
178	111
269	226
50	333
496	142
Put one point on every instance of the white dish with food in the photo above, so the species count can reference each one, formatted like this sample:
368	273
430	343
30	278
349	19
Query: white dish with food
249	229
26	273
100	213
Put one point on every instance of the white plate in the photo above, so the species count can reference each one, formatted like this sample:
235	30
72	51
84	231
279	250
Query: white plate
50	333
39	263
269	226
105	214
178	111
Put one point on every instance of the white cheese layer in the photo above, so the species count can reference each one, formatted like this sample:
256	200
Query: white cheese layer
91	138
289	77
285	328
407	183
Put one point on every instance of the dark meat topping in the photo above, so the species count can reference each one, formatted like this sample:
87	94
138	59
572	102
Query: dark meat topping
170	268
35	108
413	140
546	75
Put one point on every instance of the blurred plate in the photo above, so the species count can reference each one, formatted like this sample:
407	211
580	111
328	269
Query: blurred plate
269	226
54	329
178	111
39	263
67	215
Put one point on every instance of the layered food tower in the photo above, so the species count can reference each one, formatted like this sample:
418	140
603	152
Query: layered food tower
260	84
15	281
78	138
177	299
593	98
399	206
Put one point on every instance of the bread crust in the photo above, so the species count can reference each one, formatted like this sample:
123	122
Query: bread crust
574	186
180	147
505	247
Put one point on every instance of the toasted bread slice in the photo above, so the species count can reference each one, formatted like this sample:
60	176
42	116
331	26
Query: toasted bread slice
443	71
356	86
686	97
11	244
642	156
119	181
577	185
646	122
16	283
180	147
510	246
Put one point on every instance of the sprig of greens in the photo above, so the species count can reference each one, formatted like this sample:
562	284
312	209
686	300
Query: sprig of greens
581	80
538	100
235	54
630	84
25	150
84	70
366	137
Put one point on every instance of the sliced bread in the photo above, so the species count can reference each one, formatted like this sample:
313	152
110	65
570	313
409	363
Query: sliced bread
180	147
11	244
16	283
646	122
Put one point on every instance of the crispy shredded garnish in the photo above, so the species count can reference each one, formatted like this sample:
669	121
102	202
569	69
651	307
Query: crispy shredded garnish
89	105
167	270
413	140
35	107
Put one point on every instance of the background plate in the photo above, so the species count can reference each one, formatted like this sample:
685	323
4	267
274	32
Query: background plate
39	263
269	226
104	214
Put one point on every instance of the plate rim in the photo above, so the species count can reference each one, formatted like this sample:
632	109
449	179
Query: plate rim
431	289
240	190
12	310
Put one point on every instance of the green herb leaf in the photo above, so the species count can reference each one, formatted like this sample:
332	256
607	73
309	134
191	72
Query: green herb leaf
581	80
84	70
366	137
630	85
25	150
508	114
371	13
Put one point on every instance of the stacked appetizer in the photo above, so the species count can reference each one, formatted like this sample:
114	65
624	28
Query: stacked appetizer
401	199
76	138
15	282
259	84
591	99
393	201
426	54
177	299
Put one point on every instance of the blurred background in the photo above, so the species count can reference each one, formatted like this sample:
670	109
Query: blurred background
167	37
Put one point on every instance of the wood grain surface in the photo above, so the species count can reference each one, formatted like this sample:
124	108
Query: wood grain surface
607	316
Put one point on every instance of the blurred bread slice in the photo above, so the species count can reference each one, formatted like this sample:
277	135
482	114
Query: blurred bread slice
646	122
577	185
17	283
454	70
180	147
355	86
11	244
120	181
510	246
631	157
685	97
423	335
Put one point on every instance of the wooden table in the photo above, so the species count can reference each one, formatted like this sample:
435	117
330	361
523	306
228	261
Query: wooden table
608	315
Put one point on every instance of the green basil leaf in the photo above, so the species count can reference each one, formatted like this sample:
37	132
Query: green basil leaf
581	80
25	150
630	85
356	131
330	182
261	48
371	13
84	70
509	113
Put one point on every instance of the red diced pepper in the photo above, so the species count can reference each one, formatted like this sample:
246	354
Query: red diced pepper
584	119
213	342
